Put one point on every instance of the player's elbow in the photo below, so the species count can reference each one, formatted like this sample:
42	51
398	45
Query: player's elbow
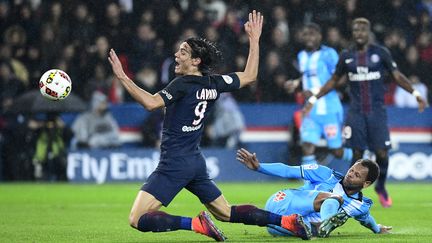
247	79
153	104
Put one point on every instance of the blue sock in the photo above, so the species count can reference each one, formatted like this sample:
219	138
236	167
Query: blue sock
161	222
329	207
347	155
251	215
309	159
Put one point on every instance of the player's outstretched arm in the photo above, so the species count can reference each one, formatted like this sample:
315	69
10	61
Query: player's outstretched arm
404	82
273	169
149	101
369	222
253	28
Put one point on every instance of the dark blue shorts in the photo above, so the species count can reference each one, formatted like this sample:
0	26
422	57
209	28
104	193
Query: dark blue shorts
367	131
174	174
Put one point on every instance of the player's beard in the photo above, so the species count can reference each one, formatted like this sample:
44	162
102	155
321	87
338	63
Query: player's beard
353	187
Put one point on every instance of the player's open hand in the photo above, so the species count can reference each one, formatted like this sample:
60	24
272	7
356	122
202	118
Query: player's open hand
422	104
248	159
253	26
385	229
116	65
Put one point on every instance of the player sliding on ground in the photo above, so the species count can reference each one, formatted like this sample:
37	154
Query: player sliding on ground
188	99
327	201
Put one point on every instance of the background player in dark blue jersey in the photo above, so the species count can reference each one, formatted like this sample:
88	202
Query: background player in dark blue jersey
327	201
367	65
187	99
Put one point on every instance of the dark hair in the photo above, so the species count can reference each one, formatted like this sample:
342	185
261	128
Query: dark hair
364	21
313	26
207	51
373	169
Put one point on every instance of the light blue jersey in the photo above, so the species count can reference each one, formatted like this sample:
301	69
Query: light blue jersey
325	179
317	67
326	117
322	179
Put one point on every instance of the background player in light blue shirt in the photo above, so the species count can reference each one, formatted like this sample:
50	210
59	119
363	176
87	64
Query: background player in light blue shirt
317	63
328	201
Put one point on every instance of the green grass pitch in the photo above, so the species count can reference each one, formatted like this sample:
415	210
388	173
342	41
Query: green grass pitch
99	213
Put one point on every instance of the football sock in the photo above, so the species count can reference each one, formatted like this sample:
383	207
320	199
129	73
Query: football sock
309	159
161	222
347	155
383	165
251	215
329	207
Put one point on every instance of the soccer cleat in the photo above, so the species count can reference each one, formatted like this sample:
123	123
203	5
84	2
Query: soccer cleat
384	198
328	225
203	224
295	224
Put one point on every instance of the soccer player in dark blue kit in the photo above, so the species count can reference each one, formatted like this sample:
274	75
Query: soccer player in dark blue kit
188	99
367	66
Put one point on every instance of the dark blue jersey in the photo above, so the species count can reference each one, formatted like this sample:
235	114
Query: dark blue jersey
366	72
188	99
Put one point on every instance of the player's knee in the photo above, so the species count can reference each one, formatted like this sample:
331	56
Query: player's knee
133	220
338	153
381	154
308	148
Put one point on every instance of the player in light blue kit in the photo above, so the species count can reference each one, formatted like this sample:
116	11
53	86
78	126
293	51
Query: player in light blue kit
317	63
327	202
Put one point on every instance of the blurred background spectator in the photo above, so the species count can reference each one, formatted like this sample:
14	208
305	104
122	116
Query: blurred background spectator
96	128
76	35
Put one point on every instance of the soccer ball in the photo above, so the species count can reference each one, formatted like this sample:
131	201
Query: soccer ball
55	84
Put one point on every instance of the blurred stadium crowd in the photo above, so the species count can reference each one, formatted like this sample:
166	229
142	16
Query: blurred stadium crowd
75	36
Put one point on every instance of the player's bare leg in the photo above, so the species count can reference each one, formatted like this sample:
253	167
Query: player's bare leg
146	217
251	215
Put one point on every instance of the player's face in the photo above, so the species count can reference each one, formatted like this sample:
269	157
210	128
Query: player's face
355	178
312	39
183	60
360	33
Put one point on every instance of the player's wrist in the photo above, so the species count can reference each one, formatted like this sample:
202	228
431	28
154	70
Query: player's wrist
312	100
315	91
416	93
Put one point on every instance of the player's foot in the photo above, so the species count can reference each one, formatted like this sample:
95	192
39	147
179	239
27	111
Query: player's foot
296	225
328	225
384	198
203	224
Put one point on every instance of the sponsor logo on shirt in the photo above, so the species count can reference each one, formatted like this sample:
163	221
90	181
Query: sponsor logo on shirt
349	60
363	74
310	166
167	94
191	128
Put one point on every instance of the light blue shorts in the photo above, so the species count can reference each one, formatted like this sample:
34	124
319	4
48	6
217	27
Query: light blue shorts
328	126
287	202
